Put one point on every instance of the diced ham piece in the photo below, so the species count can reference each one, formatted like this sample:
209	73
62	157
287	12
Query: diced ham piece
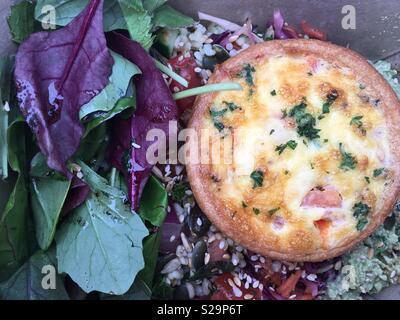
323	197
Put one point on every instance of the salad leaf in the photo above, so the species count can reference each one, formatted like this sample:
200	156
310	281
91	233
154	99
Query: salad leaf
166	16
14	220
48	194
67	10
21	21
121	105
151	246
6	67
50	97
151	5
26	283
138	291
155	109
122	72
154	201
100	244
138	22
92	143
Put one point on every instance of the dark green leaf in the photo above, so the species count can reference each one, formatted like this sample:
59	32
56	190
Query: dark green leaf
122	73
26	283
162	291
48	194
22	22
93	144
153	204
151	5
138	22
138	291
166	16
121	105
99	245
151	246
273	93
66	10
14	220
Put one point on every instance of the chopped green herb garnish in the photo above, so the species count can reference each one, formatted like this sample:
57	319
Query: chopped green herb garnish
286	172
348	160
284	113
178	192
310	73
326	140
231	106
217	113
256	211
273	93
330	99
356	121
305	121
244	205
320	117
247	74
367	179
258	178
361	86
291	144
272	131
272	211
378	172
220	126
360	212
312	165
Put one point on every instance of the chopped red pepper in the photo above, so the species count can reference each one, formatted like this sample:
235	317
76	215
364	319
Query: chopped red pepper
288	286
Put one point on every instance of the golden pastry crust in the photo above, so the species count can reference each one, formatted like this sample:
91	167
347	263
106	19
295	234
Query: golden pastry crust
300	243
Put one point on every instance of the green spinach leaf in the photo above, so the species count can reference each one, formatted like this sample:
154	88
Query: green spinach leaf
48	193
27	282
66	10
100	244
166	16
22	22
153	205
138	22
122	73
14	221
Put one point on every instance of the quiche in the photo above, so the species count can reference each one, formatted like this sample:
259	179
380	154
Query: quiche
303	163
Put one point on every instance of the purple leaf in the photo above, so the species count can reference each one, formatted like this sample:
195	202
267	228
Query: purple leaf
58	72
77	194
154	109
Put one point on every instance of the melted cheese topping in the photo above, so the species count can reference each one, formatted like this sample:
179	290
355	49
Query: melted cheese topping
291	205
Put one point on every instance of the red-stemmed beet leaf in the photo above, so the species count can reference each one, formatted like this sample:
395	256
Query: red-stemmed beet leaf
58	72
155	108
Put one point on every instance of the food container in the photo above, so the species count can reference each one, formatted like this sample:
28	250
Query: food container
370	27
